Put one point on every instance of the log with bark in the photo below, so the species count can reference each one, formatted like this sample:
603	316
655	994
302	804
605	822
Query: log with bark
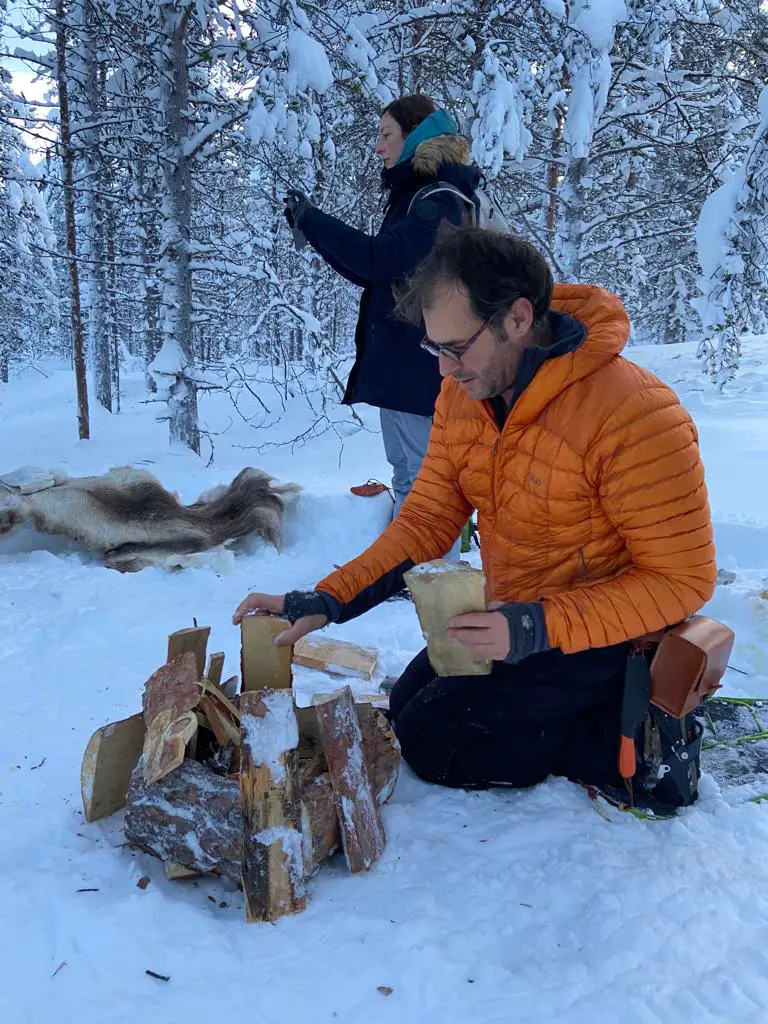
192	817
114	749
170	696
274	877
362	833
247	786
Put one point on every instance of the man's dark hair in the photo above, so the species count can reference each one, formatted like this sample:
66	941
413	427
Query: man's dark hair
493	269
410	111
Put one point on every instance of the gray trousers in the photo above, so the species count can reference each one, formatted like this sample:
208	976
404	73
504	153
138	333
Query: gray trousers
406	437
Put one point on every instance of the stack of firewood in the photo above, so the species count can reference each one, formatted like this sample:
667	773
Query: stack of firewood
232	779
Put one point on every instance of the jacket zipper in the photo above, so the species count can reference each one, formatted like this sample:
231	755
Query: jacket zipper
489	595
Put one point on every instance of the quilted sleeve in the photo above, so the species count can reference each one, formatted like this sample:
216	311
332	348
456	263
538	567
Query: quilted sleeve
650	482
430	520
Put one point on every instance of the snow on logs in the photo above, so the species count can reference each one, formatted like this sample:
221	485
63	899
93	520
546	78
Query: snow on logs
274	880
362	833
246	785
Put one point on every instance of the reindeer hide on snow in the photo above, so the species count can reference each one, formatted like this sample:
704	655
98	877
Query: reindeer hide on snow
128	518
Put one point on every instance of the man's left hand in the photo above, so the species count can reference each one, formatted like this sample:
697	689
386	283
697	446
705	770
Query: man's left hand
486	634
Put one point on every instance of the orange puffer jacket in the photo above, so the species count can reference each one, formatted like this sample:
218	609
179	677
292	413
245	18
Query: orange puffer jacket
591	498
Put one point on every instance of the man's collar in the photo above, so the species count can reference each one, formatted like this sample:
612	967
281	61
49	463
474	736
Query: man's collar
566	335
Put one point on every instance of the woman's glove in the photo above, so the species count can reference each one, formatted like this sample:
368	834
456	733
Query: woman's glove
296	205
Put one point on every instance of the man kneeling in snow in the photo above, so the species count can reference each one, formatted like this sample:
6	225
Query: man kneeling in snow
592	513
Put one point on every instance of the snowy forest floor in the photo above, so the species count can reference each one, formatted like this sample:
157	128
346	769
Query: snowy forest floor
486	907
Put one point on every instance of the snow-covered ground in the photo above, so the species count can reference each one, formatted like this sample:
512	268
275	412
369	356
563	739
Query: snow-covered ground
486	907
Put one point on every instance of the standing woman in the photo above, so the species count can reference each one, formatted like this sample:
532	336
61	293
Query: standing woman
419	145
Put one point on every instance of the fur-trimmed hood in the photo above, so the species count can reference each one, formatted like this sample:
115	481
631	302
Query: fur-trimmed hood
432	154
444	157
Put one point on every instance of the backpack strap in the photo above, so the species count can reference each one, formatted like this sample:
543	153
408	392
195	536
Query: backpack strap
443	186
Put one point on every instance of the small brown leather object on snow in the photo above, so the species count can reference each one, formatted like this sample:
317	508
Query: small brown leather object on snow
689	663
370	489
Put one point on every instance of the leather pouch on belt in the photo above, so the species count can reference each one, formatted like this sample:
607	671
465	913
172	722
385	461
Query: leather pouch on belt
689	663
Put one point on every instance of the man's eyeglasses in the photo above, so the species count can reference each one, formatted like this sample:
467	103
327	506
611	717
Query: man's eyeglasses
456	352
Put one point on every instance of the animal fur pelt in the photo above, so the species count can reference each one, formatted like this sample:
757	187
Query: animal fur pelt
128	518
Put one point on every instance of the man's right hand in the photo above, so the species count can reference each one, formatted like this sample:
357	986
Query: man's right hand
274	604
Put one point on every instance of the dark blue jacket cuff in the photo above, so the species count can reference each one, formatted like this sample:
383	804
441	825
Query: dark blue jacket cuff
299	603
527	630
333	606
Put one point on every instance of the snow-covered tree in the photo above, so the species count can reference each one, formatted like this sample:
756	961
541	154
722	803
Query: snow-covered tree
601	127
733	253
28	294
89	26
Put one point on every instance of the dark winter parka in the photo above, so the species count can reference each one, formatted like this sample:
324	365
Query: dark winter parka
391	371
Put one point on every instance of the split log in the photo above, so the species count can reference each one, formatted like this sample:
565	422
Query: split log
336	657
222	701
192	817
220	724
170	696
172	688
440	590
270	803
177	873
230	687
215	669
194	639
222	715
362	832
108	763
380	746
166	743
262	664
379	700
192	733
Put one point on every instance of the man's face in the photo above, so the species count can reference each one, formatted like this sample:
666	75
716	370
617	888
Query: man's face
487	367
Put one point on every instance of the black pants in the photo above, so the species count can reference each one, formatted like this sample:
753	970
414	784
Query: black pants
553	714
